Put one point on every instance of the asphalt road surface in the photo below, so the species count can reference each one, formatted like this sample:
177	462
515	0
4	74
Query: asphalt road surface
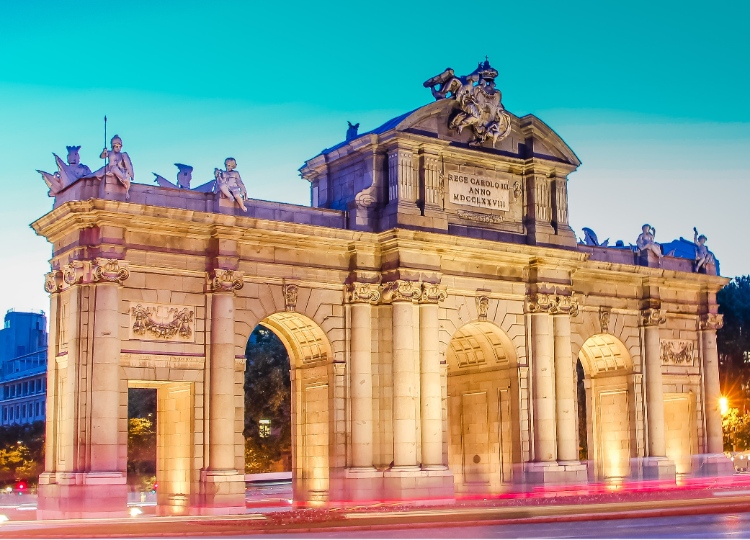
701	526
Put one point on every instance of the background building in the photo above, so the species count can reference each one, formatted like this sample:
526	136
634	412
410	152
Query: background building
23	368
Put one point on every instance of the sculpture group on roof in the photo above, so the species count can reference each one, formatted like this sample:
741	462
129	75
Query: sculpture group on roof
479	102
227	183
646	242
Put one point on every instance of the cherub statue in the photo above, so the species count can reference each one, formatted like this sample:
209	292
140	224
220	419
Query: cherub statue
118	164
703	257
230	183
66	173
645	241
184	176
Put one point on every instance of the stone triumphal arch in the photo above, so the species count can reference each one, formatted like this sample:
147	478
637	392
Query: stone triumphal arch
434	302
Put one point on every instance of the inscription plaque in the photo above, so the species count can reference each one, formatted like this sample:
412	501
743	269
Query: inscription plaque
479	192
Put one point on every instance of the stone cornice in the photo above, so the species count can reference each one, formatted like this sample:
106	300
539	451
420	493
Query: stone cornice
711	321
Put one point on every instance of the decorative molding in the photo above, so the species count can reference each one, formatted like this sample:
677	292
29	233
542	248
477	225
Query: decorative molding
363	292
554	304
711	321
653	317
109	270
73	272
226	280
479	217
677	351
53	281
290	296
432	294
162	322
401	290
604	314
483	306
163	360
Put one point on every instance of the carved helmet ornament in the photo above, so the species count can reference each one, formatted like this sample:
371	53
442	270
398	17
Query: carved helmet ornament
478	103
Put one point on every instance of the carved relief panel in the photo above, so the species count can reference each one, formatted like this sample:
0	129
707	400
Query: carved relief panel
162	322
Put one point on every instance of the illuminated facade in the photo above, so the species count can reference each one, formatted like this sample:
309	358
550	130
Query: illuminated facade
434	303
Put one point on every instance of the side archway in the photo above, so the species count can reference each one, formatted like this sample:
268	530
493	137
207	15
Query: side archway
310	356
609	406
482	391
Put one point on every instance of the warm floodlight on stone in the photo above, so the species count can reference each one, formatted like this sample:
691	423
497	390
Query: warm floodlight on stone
435	303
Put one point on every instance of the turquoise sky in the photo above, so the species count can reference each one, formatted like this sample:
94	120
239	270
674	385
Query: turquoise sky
652	96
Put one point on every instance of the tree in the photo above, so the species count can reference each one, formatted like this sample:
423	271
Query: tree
736	429
21	452
267	398
733	340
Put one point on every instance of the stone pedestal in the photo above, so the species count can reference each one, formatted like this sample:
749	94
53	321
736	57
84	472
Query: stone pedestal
418	486
658	468
221	493
82	495
556	473
712	465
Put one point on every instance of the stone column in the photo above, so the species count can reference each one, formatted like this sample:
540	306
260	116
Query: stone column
403	295
222	485
651	319
53	286
430	387
709	323
221	389
361	295
543	395
565	388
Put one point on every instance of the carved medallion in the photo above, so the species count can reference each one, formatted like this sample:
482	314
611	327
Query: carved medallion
653	317
73	272
52	281
483	306
401	290
226	280
109	270
677	351
604	314
553	304
290	296
161	322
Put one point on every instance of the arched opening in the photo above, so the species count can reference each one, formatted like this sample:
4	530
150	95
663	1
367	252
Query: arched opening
292	385
482	389
607	405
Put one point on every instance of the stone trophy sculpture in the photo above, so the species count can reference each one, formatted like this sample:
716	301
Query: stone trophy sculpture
66	173
184	177
479	103
229	183
118	165
645	241
703	257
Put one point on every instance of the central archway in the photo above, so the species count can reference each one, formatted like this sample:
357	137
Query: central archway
482	388
609	406
311	395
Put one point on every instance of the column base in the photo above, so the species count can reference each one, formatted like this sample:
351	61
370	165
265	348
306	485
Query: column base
712	465
66	495
554	473
418	486
221	493
658	468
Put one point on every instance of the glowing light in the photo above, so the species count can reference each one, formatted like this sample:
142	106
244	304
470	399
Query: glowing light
3	518
723	405
135	512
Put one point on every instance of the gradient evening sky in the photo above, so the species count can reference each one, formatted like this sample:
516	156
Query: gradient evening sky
652	96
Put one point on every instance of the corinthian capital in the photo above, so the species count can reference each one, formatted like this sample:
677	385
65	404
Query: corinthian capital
432	294
225	280
653	317
401	290
711	321
368	293
53	281
109	270
554	304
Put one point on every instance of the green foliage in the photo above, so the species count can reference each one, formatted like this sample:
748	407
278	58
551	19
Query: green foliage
733	340
141	437
21	452
736	428
267	396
